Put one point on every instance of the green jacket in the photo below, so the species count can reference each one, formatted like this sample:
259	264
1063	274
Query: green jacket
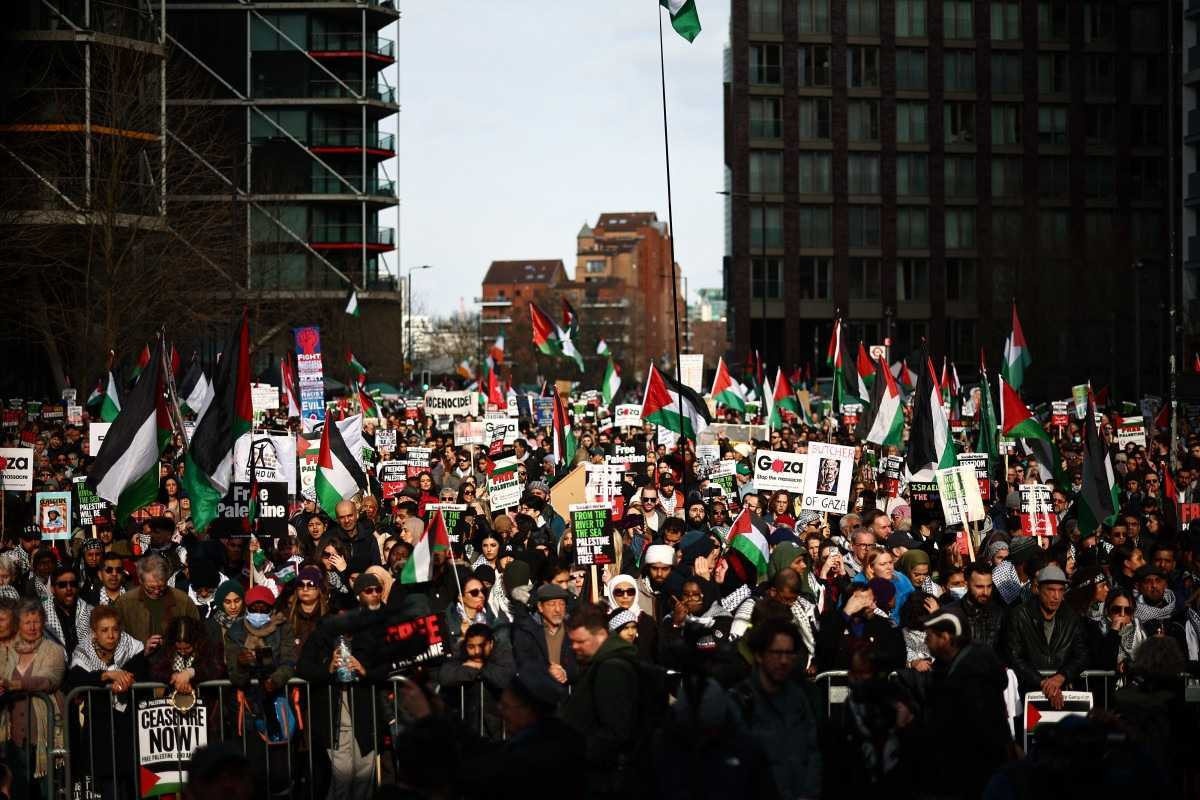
603	706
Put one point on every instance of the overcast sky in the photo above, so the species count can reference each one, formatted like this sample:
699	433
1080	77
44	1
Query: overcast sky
522	119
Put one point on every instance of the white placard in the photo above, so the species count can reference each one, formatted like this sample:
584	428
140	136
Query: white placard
828	477
493	429
273	456
627	415
776	469
958	488
468	433
667	437
96	433
691	371
385	439
442	403
263	397
16	469
74	415
1132	431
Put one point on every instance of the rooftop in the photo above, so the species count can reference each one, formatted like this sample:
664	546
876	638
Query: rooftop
545	271
626	220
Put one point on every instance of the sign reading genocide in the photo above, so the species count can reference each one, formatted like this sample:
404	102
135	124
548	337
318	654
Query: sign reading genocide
592	524
828	476
443	403
89	507
167	737
16	469
776	469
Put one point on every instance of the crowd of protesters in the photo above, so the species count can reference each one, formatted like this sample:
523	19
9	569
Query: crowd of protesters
677	671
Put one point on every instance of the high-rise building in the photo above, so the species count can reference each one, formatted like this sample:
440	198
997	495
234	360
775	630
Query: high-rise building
914	165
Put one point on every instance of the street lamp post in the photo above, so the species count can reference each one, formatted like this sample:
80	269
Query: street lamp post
408	311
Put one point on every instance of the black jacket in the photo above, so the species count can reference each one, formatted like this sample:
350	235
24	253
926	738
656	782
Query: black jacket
603	706
1028	652
985	621
530	651
837	637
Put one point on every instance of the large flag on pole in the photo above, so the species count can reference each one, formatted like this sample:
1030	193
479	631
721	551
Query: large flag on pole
783	399
1099	498
195	390
612	382
1016	355
684	18
865	370
725	392
339	476
125	472
1018	423
551	339
988	441
564	439
887	423
110	404
669	404
209	460
929	444
435	539
355	365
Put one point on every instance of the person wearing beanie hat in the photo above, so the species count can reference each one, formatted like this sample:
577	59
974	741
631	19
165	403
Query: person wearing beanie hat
657	565
623	623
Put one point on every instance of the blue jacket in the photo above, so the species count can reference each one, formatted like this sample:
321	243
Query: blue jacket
903	586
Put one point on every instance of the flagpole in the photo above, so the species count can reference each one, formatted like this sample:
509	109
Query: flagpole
662	74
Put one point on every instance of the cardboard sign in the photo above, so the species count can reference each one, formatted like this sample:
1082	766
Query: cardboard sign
828	477
310	374
167	737
627	415
468	433
97	431
691	371
54	514
411	641
891	468
443	403
263	397
1060	413
392	478
89	506
592	524
16	469
724	475
1132	431
978	462
776	469
385	439
1080	395
1039	713
507	429
272	455
959	491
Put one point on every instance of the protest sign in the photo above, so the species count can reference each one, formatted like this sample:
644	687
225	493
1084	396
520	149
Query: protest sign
418	460
392	477
443	403
408	641
74	415
626	454
510	406
69	395
592	524
691	371
890	470
96	433
11	418
627	415
233	508
167	738
468	433
734	433
310	373
272	456
16	469
923	491
1188	512
54	514
850	412
828	476
1060	413
724	475
451	514
603	485
504	428
53	412
707	456
666	437
1080	395
504	484
543	411
89	507
776	469
272	509
958	489
978	462
263	397
385	439
309	450
1037	510
1132	431
1040	713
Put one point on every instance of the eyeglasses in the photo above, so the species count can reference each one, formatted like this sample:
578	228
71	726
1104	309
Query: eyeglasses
624	592
1120	610
307	585
473	592
66	584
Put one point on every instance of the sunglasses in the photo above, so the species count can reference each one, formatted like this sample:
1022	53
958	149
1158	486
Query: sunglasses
113	570
328	554
473	592
1120	610
646	499
66	584
307	585
372	590
624	592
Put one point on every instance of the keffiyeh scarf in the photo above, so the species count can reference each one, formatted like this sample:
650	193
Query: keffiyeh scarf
1146	612
1004	576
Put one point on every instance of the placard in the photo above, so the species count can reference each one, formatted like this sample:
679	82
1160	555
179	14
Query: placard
469	433
385	439
891	468
959	491
850	412
451	514
273	456
1060	413
272	511
735	433
923	491
96	433
418	460
16	469
1037	510
74	415
308	451
979	462
626	454
627	415
603	485
443	403
507	429
167	738
69	395
1080	395
54	514
724	475
263	397
1039	713
777	469
707	456
393	477
691	371
1132	431
89	506
543	411
11	418
828	477
53	412
592	525
310	374
411	641
504	484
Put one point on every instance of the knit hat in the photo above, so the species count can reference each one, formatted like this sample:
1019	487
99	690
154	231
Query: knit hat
516	574
1022	549
620	618
661	554
537	486
312	573
366	580
996	548
93	544
203	574
259	594
227	588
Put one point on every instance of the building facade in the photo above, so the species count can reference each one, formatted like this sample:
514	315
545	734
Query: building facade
912	166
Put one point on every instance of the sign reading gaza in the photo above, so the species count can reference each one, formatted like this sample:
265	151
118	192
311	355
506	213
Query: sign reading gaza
776	469
442	403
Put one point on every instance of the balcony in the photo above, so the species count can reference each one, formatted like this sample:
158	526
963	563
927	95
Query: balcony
352	45
350	140
350	237
329	184
1193	190
331	88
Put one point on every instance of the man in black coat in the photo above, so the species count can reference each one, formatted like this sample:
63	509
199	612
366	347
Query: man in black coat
983	614
1044	636
539	640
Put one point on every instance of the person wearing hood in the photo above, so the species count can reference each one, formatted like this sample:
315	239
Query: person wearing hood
657	565
203	578
229	608
622	595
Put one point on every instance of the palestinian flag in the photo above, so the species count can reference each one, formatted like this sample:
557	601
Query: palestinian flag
142	362
366	403
496	353
988	441
768	404
564	439
288	376
352	303
96	396
866	372
929	442
671	405
783	399
570	318
752	374
845	374
1016	355
602	348
208	469
435	539
725	392
684	18
904	375
1099	500
125	472
339	475
748	536
551	339
355	365
887	423
195	390
110	404
1018	423
611	383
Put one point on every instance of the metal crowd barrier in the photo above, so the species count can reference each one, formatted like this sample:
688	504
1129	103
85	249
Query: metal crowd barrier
29	754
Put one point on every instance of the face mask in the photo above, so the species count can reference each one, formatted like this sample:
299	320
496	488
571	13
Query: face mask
258	619
958	591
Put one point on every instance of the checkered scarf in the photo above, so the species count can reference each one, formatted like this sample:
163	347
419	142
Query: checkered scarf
1146	612
1004	576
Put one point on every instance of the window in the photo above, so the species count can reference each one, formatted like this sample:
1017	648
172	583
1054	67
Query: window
1054	176
1006	229
1006	20
1146	76
766	61
910	18
957	20
959	172
863	225
766	278
1006	124
814	65
1101	122
1098	21
766	171
264	37
960	280
862	17
813	16
911	122
594	266
814	173
912	175
1006	176
764	16
864	279
863	171
1052	73
912	228
1053	232
961	338
766	227
1052	20
1100	228
1100	177
959	122
814	118
1100	73
1146	27
816	226
912	280
960	70
1147	126
911	75
1146	230
909	334
1052	125
1006	73
862	120
1147	178
815	276
862	67
766	119
960	228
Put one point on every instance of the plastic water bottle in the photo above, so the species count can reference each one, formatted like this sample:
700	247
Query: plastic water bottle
344	673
